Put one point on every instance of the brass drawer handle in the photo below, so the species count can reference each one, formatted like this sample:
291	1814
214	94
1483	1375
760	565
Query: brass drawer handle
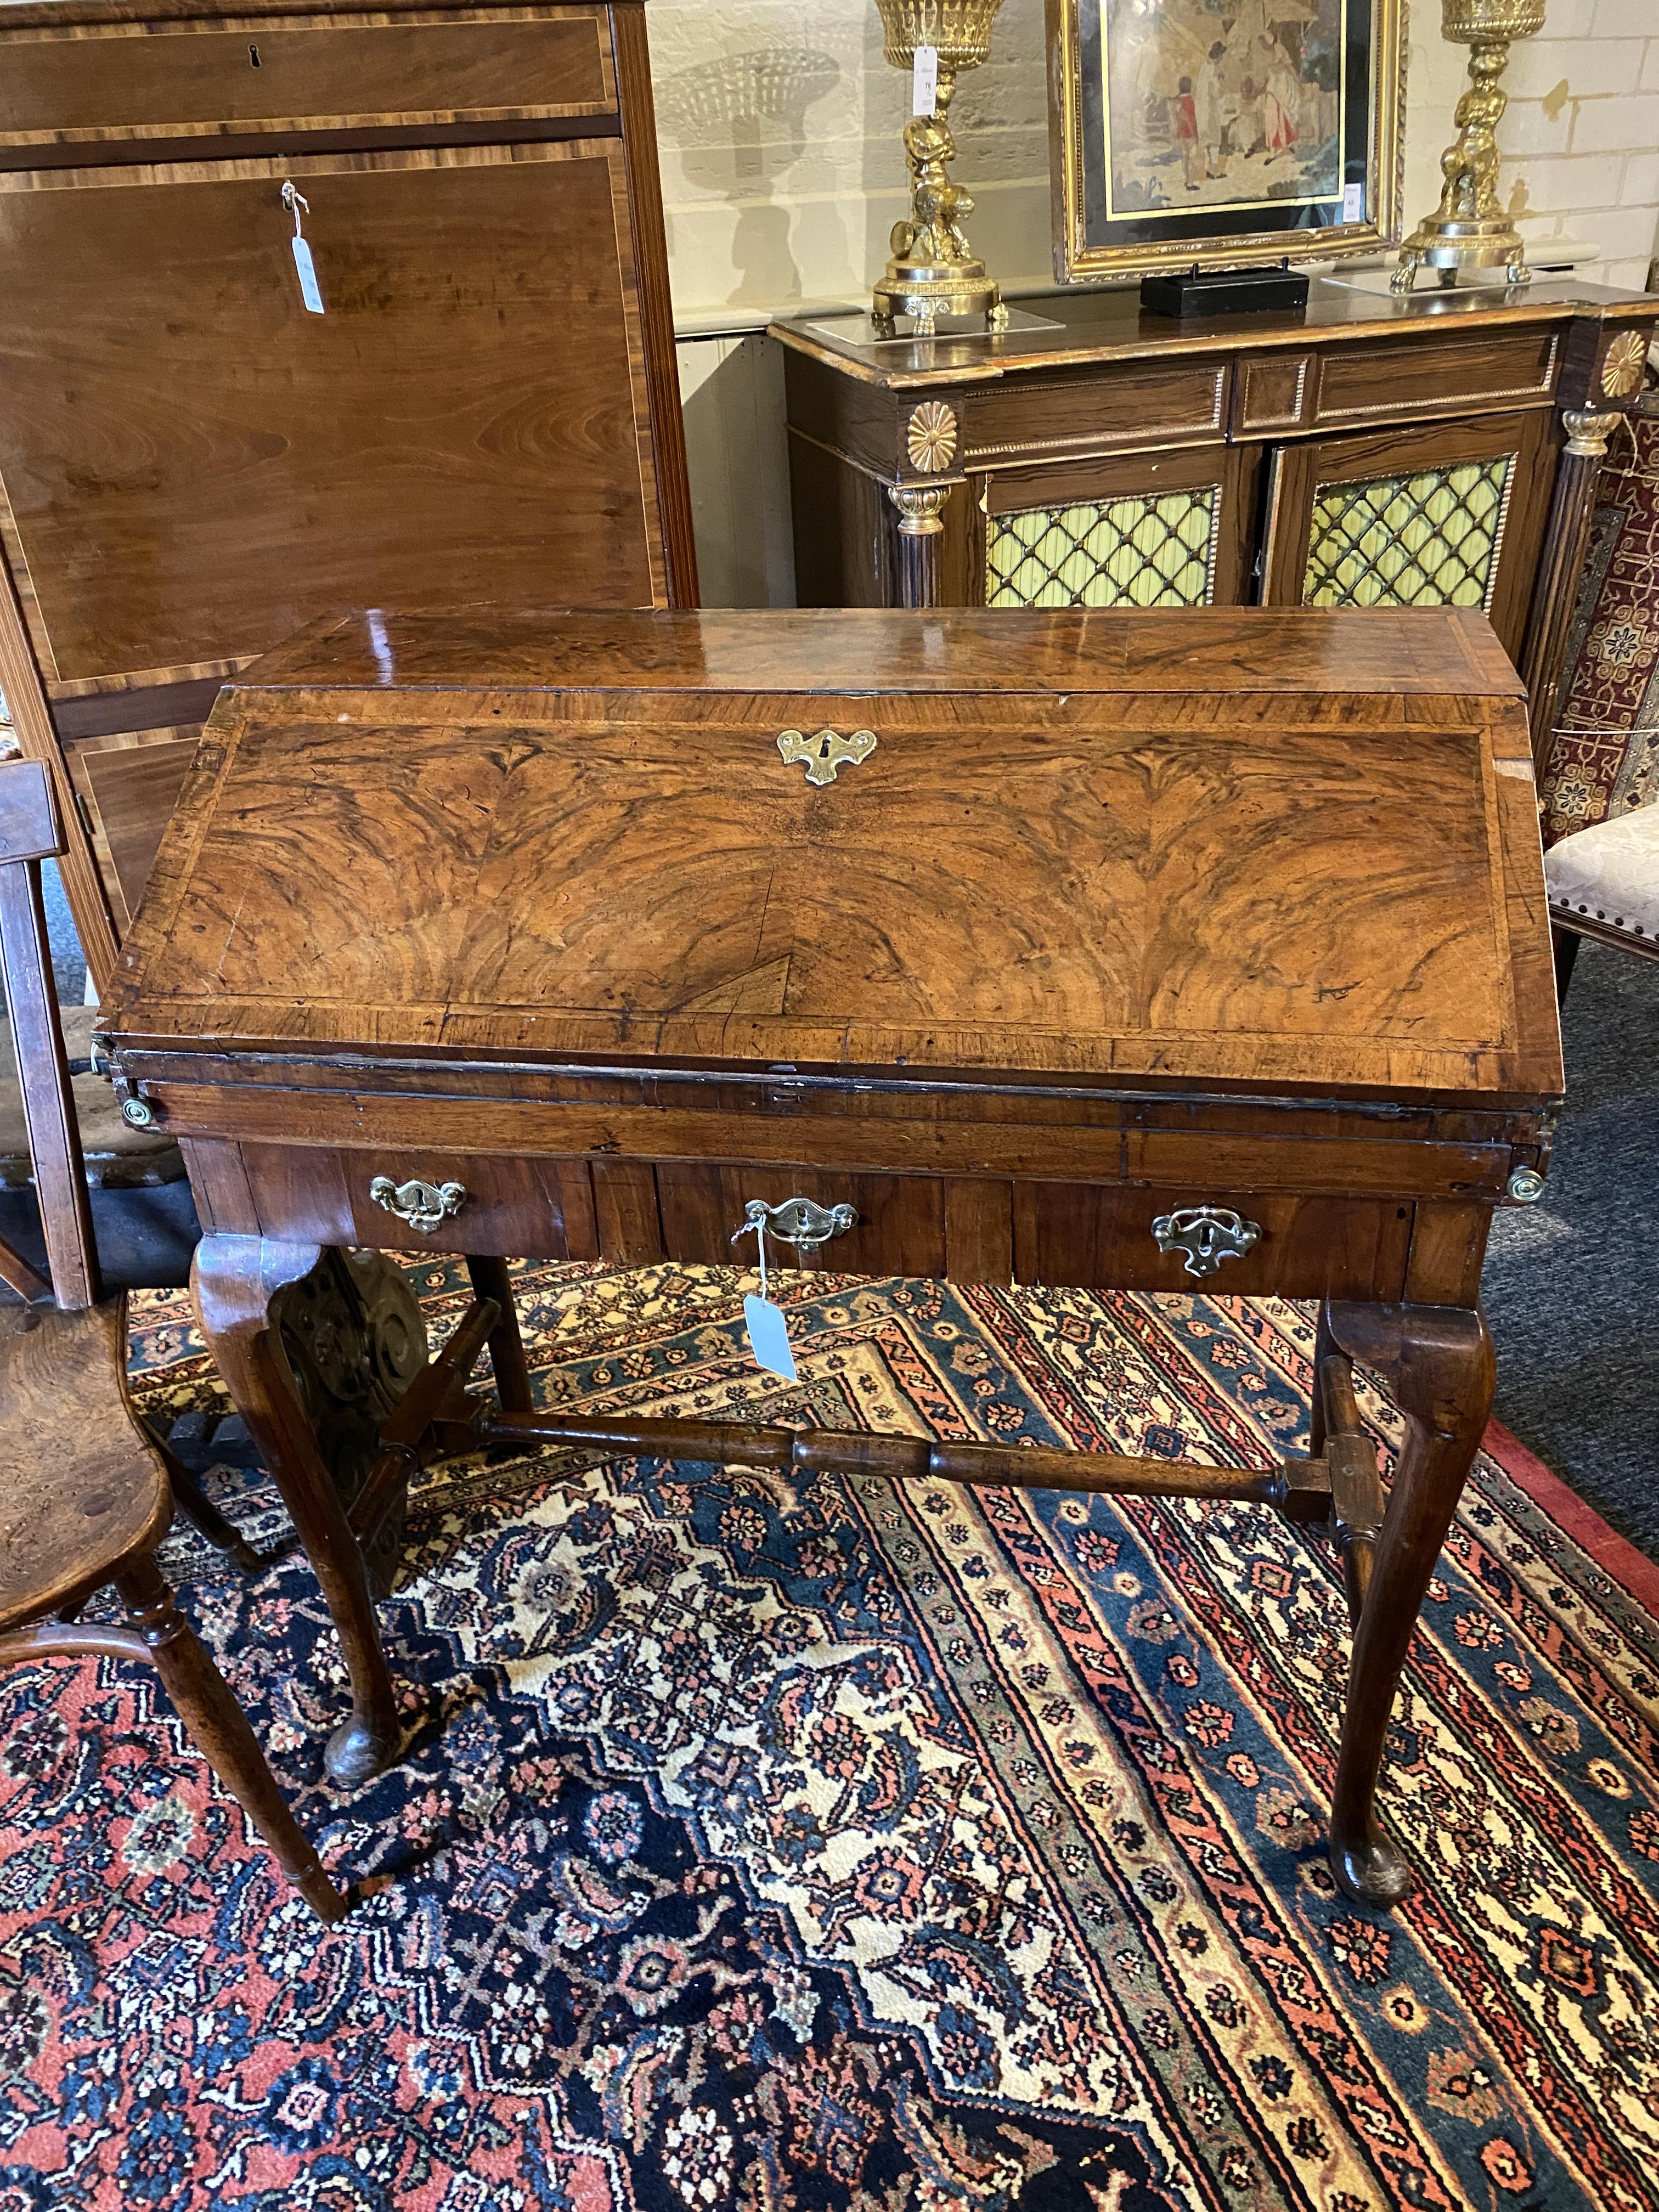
424	1206
1207	1234
798	1221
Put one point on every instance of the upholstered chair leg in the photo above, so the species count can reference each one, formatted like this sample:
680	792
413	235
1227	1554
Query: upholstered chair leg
203	1701
1565	944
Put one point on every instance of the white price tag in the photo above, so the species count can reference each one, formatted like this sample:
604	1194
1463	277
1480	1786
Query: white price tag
768	1332
924	82
769	1337
310	290
1353	203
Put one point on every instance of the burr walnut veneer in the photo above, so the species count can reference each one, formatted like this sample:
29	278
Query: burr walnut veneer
1143	951
192	464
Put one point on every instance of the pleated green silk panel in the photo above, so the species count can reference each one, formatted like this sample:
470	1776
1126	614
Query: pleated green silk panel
1157	552
1428	540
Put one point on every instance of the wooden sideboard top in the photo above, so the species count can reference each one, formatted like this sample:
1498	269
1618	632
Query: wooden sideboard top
1097	326
1286	852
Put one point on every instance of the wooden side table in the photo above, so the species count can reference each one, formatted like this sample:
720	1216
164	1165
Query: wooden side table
1430	450
1163	952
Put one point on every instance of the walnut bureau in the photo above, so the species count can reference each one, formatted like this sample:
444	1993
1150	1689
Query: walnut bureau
1161	952
193	463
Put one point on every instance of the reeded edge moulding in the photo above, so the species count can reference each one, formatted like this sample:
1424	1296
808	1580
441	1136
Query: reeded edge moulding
1182	222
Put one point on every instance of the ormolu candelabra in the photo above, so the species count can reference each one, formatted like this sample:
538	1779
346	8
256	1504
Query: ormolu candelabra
933	271
1469	230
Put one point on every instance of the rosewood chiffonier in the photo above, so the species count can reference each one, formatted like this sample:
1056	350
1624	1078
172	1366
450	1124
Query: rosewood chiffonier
1167	952
1440	449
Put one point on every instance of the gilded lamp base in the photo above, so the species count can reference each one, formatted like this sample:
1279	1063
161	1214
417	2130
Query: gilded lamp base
1479	243
926	290
1469	230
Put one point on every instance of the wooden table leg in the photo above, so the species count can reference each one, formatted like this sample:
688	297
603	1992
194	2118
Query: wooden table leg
219	1728
1437	1361
232	1281
489	1280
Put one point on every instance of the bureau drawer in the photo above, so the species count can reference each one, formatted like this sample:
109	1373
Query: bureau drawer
309	1194
131	86
637	1213
900	1230
1098	1235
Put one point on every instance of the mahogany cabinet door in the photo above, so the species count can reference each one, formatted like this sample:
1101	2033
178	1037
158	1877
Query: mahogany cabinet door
195	465
1452	515
1137	529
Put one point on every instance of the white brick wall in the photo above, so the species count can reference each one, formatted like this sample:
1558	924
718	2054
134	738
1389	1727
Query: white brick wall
1582	135
782	170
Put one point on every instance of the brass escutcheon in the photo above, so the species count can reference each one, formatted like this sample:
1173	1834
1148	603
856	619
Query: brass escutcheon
1205	1235
827	751
424	1206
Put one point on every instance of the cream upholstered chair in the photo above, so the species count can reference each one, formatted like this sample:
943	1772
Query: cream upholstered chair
1604	882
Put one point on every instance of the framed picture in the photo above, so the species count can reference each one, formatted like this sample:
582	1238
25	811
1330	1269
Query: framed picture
1229	132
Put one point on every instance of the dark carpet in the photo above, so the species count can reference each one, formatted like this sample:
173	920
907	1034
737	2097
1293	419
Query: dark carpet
1568	1281
834	1844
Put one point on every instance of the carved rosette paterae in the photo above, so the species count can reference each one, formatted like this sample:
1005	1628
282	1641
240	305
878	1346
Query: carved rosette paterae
1559	568
1469	230
930	437
933	271
1623	363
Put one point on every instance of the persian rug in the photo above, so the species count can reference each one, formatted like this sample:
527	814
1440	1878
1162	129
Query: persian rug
1604	756
842	1846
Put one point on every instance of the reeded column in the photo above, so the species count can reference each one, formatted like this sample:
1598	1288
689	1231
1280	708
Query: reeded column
1560	569
920	508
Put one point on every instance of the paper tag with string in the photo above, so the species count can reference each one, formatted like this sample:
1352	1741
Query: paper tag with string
768	1332
310	290
924	81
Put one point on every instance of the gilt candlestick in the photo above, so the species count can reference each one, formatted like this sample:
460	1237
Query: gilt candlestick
933	271
1469	230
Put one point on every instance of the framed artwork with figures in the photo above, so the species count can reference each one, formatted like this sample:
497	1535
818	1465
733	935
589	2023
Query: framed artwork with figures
1225	132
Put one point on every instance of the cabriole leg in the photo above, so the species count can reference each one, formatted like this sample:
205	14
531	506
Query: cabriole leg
1437	1361
234	1280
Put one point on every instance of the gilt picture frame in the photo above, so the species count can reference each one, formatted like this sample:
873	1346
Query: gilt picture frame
1230	133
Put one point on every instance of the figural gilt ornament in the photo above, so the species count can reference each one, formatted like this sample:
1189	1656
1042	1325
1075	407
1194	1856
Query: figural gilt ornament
1469	230
933	271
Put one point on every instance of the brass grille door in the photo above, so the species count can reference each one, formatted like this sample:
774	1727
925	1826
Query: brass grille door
1426	540
1450	516
1097	553
1151	530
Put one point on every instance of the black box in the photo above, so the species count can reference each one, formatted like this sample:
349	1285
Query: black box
1223	292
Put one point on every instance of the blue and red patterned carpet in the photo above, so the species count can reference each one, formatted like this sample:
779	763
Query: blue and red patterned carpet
789	1848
